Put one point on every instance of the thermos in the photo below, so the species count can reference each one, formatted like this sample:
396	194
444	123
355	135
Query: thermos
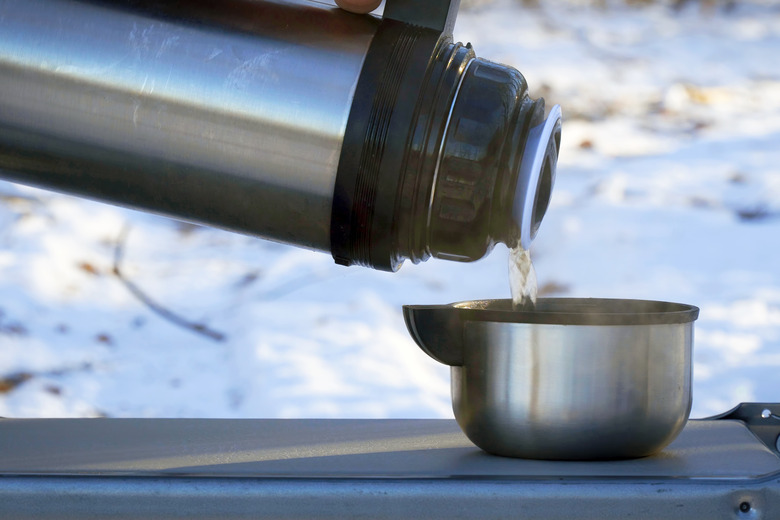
377	139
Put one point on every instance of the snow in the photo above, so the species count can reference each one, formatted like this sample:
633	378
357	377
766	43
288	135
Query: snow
668	188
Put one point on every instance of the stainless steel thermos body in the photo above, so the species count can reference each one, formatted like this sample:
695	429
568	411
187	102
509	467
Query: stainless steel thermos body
230	117
375	139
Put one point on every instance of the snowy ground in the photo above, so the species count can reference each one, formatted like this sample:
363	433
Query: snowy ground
668	188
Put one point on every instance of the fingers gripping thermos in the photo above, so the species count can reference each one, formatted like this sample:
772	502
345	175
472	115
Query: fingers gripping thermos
375	139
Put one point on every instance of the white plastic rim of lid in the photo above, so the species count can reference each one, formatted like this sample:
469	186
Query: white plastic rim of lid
531	170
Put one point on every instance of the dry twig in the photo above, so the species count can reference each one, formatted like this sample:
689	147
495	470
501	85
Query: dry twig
158	309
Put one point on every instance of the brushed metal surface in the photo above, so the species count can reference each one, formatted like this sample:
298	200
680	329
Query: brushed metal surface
344	448
230	114
208	468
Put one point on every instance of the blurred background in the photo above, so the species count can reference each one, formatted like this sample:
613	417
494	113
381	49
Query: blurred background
668	188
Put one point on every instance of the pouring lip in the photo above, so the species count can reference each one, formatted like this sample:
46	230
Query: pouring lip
578	311
532	173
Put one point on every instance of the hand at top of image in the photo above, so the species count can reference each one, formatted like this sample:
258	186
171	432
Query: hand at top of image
359	6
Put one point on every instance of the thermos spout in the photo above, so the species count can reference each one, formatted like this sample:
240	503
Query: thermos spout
469	161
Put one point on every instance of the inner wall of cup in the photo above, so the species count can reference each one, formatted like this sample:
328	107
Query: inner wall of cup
579	311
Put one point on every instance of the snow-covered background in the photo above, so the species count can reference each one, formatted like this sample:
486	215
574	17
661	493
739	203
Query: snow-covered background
668	188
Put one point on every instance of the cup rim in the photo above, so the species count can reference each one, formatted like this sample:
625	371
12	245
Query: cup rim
579	311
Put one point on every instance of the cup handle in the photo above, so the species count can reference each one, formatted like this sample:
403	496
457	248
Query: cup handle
437	330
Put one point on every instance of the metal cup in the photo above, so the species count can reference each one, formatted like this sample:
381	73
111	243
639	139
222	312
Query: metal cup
573	379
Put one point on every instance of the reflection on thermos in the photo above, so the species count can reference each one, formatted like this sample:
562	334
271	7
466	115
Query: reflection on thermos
377	139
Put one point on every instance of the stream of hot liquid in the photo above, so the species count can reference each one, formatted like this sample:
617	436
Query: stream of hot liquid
522	278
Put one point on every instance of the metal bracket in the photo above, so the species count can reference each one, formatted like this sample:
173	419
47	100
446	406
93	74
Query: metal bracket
438	15
762	419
